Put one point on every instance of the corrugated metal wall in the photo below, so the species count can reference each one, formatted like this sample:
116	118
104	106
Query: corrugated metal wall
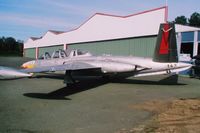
50	49
31	52
143	47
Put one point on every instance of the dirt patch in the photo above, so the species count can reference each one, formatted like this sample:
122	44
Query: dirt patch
174	116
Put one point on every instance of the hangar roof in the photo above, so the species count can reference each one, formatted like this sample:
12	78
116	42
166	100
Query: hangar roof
183	28
105	27
56	32
108	27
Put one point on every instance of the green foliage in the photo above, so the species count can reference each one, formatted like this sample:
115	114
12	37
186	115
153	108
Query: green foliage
194	19
181	20
10	47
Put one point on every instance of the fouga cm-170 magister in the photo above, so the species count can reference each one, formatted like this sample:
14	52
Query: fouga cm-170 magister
75	62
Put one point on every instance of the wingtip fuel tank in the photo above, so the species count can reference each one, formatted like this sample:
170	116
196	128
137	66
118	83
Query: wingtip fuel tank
10	73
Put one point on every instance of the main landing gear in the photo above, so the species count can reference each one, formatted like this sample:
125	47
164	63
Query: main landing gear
68	79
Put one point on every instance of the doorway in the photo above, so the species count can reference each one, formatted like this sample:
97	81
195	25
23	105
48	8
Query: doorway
187	48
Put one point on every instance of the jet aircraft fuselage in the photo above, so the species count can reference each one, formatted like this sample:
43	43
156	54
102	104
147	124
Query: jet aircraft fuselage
113	64
164	61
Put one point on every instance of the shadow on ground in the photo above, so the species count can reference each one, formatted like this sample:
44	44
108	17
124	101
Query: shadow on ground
88	84
170	80
62	93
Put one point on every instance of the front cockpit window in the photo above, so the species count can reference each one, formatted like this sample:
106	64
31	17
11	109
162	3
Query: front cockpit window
45	56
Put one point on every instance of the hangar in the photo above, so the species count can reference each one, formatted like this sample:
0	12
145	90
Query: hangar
133	34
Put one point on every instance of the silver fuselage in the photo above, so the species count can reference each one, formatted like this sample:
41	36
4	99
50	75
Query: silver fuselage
138	66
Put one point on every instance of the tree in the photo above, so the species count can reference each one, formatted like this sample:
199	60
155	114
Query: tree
181	20
194	19
20	47
2	43
10	44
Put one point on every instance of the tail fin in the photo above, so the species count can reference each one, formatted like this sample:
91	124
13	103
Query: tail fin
166	46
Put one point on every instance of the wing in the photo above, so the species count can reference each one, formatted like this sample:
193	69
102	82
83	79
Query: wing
69	66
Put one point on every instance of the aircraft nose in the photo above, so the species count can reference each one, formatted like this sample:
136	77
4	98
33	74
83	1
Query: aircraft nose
30	64
24	66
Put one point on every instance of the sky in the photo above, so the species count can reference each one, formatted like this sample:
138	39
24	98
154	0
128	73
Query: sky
22	19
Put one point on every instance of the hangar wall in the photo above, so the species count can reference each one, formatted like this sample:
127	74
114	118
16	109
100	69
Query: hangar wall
133	34
30	52
143	46
49	49
190	42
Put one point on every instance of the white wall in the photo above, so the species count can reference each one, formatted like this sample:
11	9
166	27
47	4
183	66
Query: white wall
106	27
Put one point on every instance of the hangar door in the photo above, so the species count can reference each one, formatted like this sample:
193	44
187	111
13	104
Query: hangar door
198	52
143	46
187	43
50	49
198	42
30	52
187	48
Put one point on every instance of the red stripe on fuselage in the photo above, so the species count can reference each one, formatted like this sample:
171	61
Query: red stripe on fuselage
164	46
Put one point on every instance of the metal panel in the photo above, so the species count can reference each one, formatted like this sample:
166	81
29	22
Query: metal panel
143	47
118	47
30	52
87	47
51	49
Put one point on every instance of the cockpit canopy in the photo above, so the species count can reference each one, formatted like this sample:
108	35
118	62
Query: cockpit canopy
64	54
